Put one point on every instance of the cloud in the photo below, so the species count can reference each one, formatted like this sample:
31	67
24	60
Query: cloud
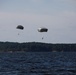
37	0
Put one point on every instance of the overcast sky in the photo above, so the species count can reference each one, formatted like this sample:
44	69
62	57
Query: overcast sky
59	16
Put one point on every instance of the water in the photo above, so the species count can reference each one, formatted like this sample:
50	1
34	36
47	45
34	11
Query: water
38	63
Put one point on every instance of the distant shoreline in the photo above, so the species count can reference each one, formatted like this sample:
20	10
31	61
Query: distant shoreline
36	47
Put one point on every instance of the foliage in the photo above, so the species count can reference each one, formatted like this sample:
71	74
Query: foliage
36	47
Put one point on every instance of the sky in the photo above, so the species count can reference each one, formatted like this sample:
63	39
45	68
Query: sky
59	16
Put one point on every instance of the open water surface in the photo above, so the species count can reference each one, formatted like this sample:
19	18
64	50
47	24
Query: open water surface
38	63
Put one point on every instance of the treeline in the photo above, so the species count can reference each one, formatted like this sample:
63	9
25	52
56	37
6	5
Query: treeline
36	47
